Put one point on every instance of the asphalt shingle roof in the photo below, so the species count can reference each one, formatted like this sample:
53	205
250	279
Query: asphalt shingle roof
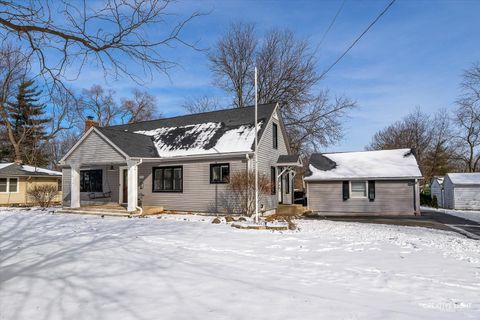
185	135
13	169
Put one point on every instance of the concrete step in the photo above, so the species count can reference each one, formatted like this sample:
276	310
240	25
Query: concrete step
290	209
96	213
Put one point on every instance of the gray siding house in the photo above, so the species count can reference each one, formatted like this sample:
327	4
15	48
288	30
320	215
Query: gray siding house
364	183
462	191
436	189
181	163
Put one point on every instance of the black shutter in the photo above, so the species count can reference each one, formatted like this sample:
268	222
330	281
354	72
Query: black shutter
371	190
346	190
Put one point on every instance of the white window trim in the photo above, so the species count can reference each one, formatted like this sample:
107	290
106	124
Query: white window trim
366	190
8	185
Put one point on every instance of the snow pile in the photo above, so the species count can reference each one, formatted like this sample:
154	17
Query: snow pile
465	178
204	138
399	163
185	267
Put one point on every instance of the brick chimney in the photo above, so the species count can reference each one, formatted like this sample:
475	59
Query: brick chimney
90	123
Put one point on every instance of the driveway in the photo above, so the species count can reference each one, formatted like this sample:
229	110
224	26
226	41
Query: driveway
466	227
430	218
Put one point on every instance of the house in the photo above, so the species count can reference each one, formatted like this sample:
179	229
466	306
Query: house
17	179
382	182
462	191
436	190
181	163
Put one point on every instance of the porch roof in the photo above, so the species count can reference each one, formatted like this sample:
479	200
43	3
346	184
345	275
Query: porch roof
289	160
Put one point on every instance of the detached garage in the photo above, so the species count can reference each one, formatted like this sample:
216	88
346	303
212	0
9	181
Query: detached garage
462	191
364	183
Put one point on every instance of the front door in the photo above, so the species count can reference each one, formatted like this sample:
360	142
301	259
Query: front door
125	185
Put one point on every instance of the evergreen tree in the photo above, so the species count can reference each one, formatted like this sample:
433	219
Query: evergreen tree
28	122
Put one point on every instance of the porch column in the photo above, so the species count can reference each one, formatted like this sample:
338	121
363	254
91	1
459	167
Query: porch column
132	178
75	187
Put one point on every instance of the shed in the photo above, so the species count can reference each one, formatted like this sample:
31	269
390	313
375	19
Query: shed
462	191
436	190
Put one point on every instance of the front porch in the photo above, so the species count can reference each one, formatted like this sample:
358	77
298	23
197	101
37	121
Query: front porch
103	187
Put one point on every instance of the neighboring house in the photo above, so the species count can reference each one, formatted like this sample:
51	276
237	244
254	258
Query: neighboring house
382	182
181	163
462	191
436	189
16	180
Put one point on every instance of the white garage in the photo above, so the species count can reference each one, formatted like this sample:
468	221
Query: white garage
462	191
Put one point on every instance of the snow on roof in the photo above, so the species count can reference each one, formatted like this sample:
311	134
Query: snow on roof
4	165
203	138
40	170
15	169
465	178
399	163
439	180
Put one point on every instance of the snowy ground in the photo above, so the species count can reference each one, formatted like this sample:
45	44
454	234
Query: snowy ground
180	267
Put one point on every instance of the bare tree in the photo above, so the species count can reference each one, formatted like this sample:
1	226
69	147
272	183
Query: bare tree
62	36
201	104
233	60
100	104
428	136
13	70
239	198
142	106
467	119
287	75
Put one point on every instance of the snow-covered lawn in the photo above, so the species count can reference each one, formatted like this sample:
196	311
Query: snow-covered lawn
180	267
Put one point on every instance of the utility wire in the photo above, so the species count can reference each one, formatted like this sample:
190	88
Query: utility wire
357	39
331	24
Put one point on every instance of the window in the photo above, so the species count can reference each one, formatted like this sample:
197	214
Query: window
219	173
167	179
358	189
59	185
91	180
273	180
275	136
3	184
8	184
13	185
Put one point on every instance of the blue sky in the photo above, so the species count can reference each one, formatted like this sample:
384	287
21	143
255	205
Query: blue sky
413	56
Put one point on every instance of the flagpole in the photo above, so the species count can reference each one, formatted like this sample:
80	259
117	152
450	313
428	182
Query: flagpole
256	148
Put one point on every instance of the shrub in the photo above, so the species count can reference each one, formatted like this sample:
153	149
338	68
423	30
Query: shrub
427	200
43	194
240	194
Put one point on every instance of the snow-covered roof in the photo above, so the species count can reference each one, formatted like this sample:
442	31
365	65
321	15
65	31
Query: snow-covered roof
439	180
14	169
382	164
465	178
203	138
221	131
